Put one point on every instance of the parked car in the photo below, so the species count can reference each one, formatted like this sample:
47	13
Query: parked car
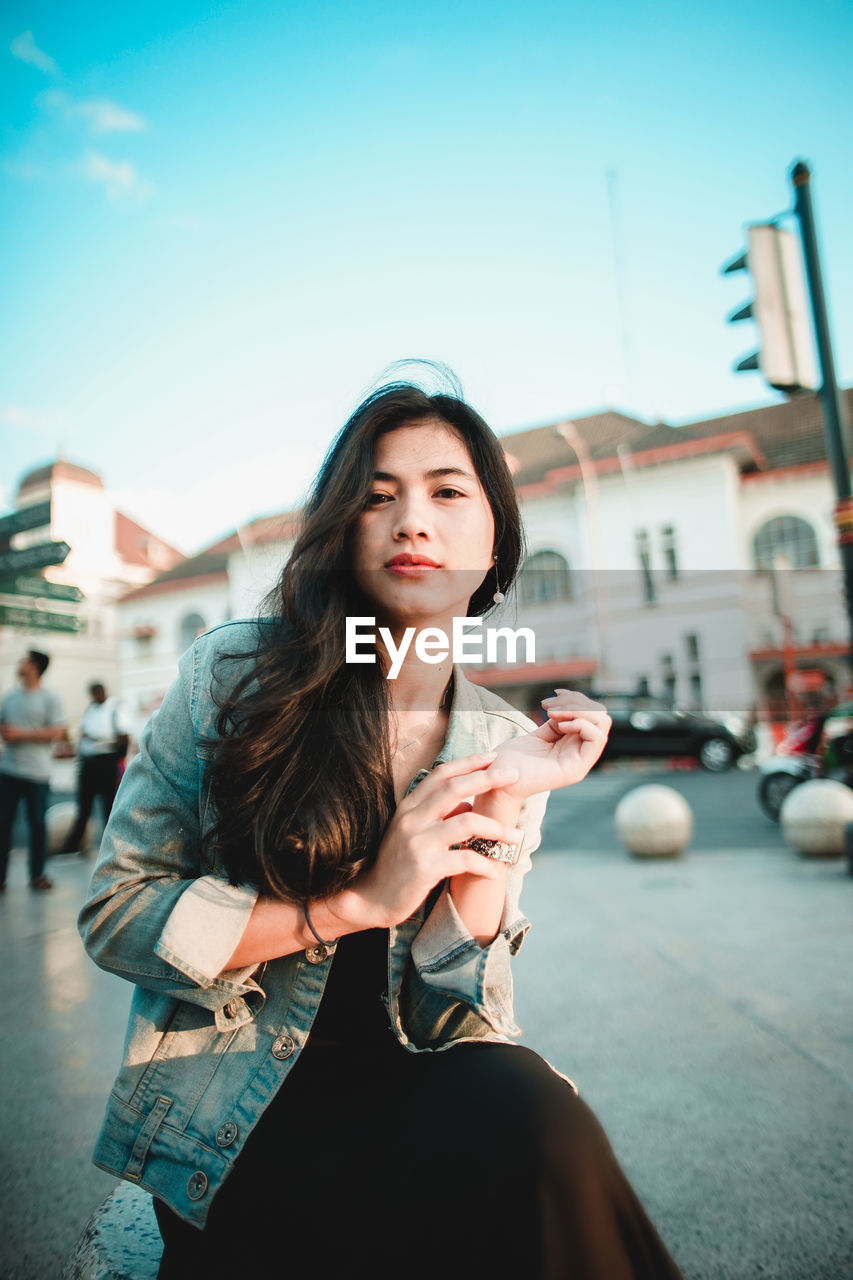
648	726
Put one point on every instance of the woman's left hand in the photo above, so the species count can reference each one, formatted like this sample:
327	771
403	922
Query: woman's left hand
562	751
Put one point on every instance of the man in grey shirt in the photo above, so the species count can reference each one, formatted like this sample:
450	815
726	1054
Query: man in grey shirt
31	720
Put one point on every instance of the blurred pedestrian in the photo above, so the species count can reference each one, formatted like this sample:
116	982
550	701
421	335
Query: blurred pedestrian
100	753
31	720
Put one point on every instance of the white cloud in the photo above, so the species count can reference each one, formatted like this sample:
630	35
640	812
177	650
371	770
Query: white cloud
118	178
13	416
108	117
17	418
25	49
100	114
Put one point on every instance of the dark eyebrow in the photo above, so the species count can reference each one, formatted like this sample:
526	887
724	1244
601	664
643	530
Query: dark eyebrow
435	474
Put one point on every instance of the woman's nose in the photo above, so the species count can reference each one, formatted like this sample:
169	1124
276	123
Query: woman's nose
411	519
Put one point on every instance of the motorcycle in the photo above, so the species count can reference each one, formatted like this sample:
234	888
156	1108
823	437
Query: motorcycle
799	757
780	774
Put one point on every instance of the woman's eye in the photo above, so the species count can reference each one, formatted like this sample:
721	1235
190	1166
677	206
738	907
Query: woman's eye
449	492
377	499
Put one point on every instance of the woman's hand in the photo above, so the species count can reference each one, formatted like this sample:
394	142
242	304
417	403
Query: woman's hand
416	852
559	753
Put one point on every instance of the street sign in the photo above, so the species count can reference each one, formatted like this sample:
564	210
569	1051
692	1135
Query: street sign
36	557
40	588
38	619
27	518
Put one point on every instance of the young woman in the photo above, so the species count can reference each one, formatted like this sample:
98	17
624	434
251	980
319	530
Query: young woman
312	876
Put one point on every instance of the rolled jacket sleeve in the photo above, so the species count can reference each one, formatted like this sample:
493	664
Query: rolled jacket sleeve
155	914
204	927
450	960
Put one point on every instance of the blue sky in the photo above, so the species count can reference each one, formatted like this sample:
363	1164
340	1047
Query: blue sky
221	222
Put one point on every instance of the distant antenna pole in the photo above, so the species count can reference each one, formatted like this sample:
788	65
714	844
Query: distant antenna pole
833	418
621	286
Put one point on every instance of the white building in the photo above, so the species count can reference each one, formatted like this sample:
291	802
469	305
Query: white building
109	553
162	618
650	550
652	553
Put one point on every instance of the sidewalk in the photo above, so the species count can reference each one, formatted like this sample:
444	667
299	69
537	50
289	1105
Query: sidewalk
703	1006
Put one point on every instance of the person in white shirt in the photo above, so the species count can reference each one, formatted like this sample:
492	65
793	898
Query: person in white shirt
31	721
102	747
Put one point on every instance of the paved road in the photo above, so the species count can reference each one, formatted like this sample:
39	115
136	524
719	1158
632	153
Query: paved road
703	1006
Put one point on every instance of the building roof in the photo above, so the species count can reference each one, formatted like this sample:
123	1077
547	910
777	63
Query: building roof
210	566
534	452
205	569
762	440
137	545
60	469
282	526
773	437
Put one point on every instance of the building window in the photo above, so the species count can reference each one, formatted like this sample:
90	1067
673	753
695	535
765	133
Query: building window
670	555
691	644
191	625
143	633
790	536
544	578
667	663
644	557
696	689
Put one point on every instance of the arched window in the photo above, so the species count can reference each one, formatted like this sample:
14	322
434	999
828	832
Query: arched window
191	625
545	577
790	536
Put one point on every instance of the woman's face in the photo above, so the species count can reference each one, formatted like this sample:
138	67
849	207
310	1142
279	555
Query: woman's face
425	540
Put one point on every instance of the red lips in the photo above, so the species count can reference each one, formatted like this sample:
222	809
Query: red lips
411	566
407	561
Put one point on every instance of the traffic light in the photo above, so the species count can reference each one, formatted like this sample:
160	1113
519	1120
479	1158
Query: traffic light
786	355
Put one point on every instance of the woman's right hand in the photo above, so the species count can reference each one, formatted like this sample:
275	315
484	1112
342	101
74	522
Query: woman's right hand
416	852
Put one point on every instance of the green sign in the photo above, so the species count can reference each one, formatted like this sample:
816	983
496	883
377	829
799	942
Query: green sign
38	619
27	518
35	557
40	588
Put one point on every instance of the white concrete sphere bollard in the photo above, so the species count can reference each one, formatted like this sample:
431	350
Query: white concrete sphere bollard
60	819
814	815
654	821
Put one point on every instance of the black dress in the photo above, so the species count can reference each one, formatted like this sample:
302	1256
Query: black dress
372	1161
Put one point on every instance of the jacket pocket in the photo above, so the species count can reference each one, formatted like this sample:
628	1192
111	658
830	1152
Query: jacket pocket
183	1064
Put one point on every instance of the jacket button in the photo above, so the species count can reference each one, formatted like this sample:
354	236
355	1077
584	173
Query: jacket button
197	1185
317	954
231	1009
282	1047
226	1134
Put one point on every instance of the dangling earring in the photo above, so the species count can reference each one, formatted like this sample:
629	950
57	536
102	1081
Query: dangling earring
499	596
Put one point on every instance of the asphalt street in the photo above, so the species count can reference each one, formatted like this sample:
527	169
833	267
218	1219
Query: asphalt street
703	1006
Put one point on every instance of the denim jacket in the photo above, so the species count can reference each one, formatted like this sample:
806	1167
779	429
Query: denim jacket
206	1047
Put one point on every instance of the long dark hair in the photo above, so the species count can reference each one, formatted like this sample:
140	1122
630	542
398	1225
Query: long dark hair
300	772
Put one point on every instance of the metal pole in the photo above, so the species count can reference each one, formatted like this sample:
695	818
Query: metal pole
833	417
568	432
